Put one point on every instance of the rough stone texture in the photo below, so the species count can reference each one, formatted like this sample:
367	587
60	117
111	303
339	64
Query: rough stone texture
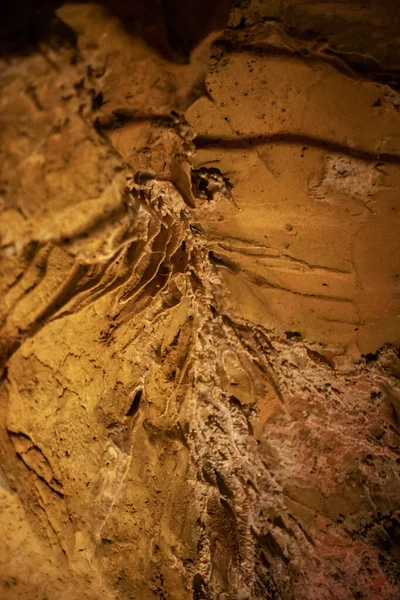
199	283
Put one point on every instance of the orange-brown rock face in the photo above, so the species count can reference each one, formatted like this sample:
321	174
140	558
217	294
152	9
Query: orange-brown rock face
199	282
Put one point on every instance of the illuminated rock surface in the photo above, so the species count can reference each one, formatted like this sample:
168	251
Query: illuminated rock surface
200	312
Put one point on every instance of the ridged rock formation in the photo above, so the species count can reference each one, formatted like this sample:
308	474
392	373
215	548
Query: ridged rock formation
199	246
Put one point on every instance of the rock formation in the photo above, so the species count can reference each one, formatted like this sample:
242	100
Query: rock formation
200	326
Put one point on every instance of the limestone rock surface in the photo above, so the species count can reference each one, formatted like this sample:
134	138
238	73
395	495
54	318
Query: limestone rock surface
200	301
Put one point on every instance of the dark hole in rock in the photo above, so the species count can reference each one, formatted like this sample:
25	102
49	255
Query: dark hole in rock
134	407
292	334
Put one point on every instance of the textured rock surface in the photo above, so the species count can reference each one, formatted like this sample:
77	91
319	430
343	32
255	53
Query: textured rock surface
200	302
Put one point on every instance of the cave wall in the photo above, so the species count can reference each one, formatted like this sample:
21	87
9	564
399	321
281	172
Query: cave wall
200	301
